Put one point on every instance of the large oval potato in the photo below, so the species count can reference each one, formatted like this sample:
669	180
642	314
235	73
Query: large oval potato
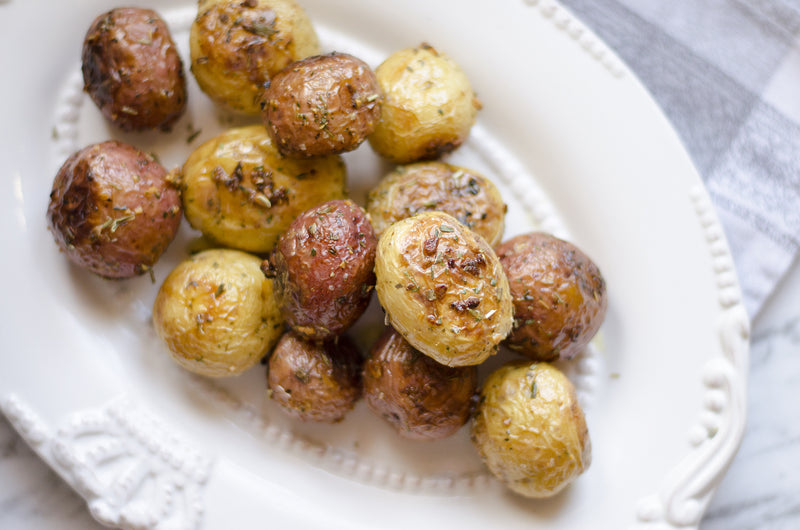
443	288
241	192
236	46
530	430
217	313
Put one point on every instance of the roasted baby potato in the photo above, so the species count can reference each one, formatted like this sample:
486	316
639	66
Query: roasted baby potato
217	313
436	186
112	210
530	430
559	296
443	288
322	105
318	381
429	106
240	192
323	265
236	46
420	398
132	70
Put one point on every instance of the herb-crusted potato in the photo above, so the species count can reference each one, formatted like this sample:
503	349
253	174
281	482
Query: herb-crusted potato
436	186
217	313
112	210
322	105
530	430
236	46
443	288
241	192
429	106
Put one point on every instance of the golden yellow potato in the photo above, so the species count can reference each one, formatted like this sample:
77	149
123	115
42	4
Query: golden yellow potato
240	192
217	313
236	46
436	186
443	288
429	106
530	430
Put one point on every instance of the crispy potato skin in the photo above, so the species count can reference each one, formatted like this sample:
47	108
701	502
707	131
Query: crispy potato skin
317	381
443	288
323	265
429	109
322	105
420	398
236	46
112	210
530	430
217	313
436	186
242	193
132	70
559	296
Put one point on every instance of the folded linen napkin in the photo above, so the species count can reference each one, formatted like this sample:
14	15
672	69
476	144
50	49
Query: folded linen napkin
727	74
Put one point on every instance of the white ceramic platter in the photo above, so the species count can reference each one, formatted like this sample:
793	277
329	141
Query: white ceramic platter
576	146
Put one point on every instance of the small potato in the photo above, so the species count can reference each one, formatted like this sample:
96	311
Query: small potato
420	398
436	186
559	296
315	381
132	70
530	430
236	46
112	210
240	192
324	269
429	106
322	105
217	313
443	288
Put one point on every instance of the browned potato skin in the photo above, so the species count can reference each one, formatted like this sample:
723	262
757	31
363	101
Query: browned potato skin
559	296
132	70
437	186
420	398
322	105
112	210
324	269
317	381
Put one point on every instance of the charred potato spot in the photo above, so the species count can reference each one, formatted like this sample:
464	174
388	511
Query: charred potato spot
132	70
443	288
420	398
217	313
315	381
112	210
530	430
436	186
559	296
322	105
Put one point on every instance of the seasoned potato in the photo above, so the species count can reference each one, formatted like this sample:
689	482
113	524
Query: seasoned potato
429	109
322	105
559	296
240	192
530	430
112	210
443	288
420	398
436	186
324	265
319	381
132	70
217	313
236	46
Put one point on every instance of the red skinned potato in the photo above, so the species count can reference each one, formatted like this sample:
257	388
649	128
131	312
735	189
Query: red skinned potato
112	210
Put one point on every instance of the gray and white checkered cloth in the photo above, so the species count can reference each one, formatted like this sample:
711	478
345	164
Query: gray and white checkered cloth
727	74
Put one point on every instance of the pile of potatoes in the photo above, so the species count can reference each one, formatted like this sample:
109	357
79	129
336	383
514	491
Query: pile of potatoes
295	261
